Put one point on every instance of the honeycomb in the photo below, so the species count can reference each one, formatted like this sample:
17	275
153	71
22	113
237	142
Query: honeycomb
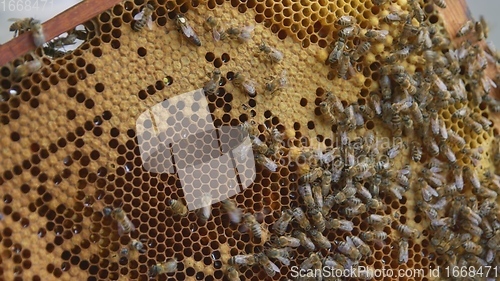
70	145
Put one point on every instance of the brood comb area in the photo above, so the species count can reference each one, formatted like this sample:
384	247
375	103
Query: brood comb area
370	133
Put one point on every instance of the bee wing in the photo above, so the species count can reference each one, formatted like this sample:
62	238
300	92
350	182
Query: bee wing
187	30
149	23
216	35
248	28
15	19
139	15
121	231
284	261
274	267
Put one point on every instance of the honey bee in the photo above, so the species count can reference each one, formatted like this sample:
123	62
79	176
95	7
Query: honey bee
363	248
306	193
361	50
416	151
144	18
417	11
344	65
205	211
318	195
349	249
346	21
232	210
317	219
473	248
339	224
351	212
454	66
260	147
269	267
440	3
274	55
27	68
187	30
60	42
325	110
178	208
455	139
213	84
472	176
311	175
375	102
326	181
427	191
138	245
328	204
279	254
243	34
378	220
475	261
277	83
371	236
448	152
232	274
218	33
428	210
124	224
367	111
245	84
385	87
305	241
397	125
349	32
485	122
485	208
494	242
404	81
168	266
374	35
242	260
266	162
19	26
301	218
281	224
431	146
253	225
54	53
403	251
358	168
286	241
465	29
440	41
312	261
395	17
338	49
470	215
320	239
409	29
408	232
471	228
375	204
346	193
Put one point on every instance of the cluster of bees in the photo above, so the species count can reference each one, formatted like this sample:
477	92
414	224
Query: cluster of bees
462	213
53	48
219	33
125	226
